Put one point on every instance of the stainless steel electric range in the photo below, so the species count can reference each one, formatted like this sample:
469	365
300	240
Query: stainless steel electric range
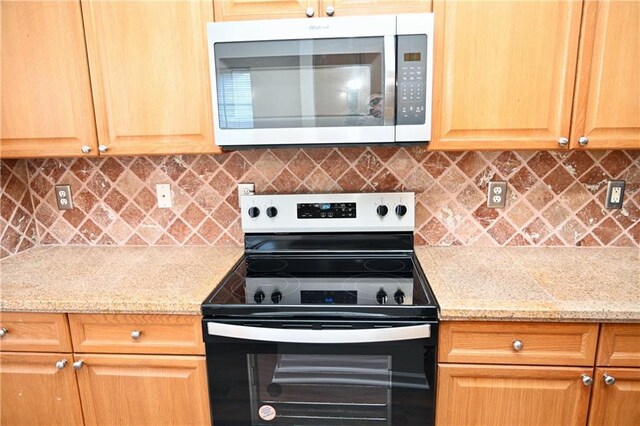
328	319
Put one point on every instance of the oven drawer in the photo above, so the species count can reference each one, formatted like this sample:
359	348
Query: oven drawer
518	343
34	332
137	334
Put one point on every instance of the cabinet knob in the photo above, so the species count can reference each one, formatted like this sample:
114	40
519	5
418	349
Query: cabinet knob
583	141
78	365
103	148
61	364
330	10
310	12
518	345
85	149
586	380
135	334
608	380
3	332
563	142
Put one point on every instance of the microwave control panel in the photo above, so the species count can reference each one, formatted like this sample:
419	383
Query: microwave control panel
412	67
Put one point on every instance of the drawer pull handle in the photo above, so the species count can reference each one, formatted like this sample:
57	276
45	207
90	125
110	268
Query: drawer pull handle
3	332
518	345
609	380
78	365
135	334
61	364
586	380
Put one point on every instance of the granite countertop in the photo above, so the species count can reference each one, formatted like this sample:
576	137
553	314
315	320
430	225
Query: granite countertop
542	283
171	280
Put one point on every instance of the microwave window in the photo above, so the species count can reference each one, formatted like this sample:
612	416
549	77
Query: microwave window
300	83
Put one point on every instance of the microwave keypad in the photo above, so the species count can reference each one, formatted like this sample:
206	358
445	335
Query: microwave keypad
412	58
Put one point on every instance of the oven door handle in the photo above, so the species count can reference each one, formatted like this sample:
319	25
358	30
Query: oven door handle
326	336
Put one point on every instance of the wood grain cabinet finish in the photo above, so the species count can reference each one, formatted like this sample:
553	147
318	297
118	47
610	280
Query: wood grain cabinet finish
137	334
34	332
617	403
34	392
240	10
504	73
619	345
47	110
511	395
495	343
606	107
150	76
143	389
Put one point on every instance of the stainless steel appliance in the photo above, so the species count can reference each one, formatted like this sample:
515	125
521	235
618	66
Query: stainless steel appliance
349	80
328	318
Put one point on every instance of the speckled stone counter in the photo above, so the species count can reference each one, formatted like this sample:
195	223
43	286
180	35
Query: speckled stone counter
535	284
171	280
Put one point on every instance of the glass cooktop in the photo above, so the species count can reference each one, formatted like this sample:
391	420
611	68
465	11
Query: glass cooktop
390	285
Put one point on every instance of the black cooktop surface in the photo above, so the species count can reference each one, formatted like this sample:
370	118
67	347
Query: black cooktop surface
387	285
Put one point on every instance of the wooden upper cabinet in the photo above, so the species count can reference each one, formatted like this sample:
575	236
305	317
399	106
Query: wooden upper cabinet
615	403
47	109
150	75
607	102
242	10
503	73
374	7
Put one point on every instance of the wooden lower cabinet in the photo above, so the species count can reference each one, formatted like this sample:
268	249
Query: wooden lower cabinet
34	392
511	395
143	389
617	403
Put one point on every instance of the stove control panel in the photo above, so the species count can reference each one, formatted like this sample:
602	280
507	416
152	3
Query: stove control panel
368	212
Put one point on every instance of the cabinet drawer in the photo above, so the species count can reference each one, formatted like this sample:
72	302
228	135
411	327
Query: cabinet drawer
499	343
34	332
619	345
137	334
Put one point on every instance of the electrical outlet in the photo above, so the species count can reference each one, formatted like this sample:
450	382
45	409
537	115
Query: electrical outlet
246	189
497	194
163	193
615	194
63	197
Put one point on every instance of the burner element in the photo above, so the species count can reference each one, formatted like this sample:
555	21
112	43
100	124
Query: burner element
266	265
384	265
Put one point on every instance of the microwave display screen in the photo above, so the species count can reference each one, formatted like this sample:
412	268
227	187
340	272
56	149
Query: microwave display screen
412	57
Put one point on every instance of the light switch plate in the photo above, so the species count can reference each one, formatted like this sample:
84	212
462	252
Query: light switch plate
63	197
497	194
615	194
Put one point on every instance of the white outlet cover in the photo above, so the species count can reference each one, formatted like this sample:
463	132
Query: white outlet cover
163	194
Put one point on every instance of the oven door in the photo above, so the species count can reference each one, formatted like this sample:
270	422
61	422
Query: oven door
328	373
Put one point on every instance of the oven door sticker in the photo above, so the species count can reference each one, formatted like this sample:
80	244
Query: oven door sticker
267	412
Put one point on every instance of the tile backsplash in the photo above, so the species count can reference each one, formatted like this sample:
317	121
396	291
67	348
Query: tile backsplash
554	198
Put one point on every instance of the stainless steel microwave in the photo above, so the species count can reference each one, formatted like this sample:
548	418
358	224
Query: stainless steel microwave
325	81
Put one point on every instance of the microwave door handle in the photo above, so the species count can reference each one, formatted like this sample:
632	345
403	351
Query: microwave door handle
285	335
389	80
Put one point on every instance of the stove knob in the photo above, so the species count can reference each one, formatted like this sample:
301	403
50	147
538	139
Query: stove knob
276	297
401	210
272	212
381	297
254	212
399	297
259	297
382	210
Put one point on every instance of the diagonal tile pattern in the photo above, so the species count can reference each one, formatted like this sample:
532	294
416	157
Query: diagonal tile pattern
17	221
554	198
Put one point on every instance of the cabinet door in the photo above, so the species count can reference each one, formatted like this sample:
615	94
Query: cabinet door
618	403
143	389
35	392
607	101
511	395
47	109
150	75
242	10
504	73
374	7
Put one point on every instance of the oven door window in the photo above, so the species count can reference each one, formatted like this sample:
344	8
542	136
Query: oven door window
300	83
347	389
